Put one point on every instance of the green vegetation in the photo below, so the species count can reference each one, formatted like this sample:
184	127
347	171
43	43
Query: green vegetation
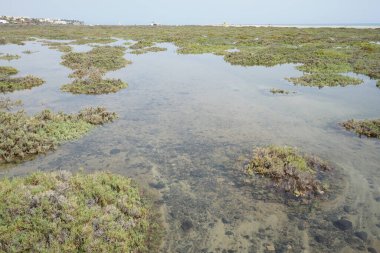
94	87
7	104
62	212
23	136
323	53
148	49
7	71
290	170
9	84
141	44
321	80
28	52
369	128
60	46
95	40
280	91
90	67
9	57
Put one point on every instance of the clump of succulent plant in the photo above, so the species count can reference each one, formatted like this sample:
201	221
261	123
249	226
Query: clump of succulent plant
9	57
9	84
23	136
369	128
90	67
65	212
289	169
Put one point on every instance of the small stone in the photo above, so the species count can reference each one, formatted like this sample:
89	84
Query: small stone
371	250
320	239
377	199
115	151
229	233
158	186
343	224
225	221
186	225
362	235
347	209
271	247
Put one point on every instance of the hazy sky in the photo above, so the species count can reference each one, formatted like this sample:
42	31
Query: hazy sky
199	11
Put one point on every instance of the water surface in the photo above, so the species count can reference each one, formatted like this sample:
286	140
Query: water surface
187	122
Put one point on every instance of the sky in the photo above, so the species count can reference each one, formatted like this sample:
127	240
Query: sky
129	12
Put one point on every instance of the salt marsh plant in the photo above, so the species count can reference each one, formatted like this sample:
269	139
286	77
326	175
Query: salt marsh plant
147	50
7	104
9	57
7	71
65	212
323	53
23	136
289	169
90	67
10	84
94	40
369	128
280	91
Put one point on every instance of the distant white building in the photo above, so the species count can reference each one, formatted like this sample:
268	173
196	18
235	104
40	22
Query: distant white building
60	22
2	21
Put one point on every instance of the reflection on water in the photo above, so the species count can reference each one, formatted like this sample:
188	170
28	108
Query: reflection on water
185	123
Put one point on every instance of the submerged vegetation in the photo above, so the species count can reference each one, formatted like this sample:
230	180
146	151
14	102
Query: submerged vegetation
9	84
9	57
280	91
369	128
62	212
7	71
23	136
90	67
7	104
290	170
94	40
142	47
322	80
324	53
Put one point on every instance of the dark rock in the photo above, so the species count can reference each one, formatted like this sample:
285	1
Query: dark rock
371	250
377	199
114	151
362	235
320	239
347	209
186	225
158	186
343	224
225	221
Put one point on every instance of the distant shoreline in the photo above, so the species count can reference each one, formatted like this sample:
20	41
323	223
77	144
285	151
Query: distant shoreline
357	26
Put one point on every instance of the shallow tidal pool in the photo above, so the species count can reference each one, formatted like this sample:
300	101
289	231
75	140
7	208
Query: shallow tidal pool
187	122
